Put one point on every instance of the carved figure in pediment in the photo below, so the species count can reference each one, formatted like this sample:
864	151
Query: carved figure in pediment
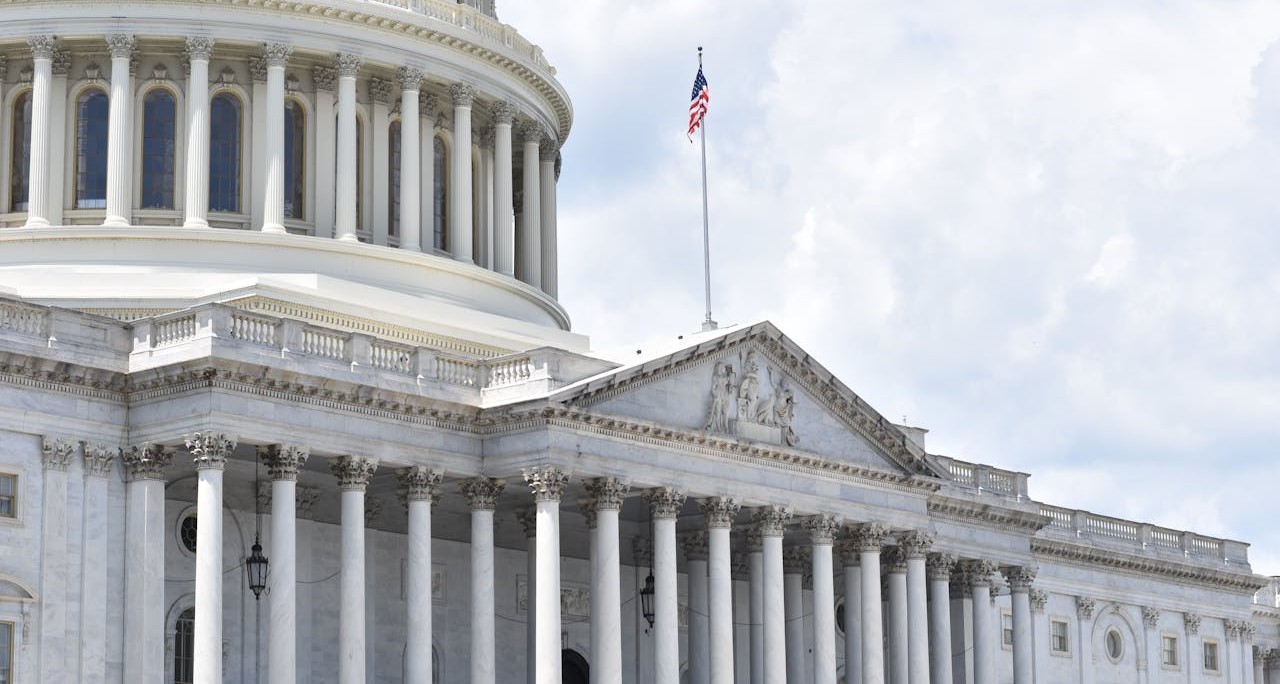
764	407
784	412
750	387
722	386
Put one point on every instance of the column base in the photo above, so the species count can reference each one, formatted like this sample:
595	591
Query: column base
348	237
116	222
274	228
37	223
463	259
195	223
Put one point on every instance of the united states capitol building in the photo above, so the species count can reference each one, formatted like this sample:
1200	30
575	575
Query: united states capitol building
286	395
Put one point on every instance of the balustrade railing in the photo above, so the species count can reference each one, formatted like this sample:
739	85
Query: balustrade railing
173	330
325	344
986	479
1141	536
392	357
510	371
28	320
253	329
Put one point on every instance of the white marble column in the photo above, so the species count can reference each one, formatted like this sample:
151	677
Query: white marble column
606	496
209	450
961	625
55	650
325	80
283	461
822	531
377	152
1039	635
144	563
410	164
504	236
695	555
547	484
755	559
771	523
529	266
196	187
719	513
353	473
528	518
346	222
1193	654
276	54
939	567
58	110
986	631
427	170
420	486
119	132
795	560
1020	579
42	48
1257	665
916	545
547	203
1084	628
460	218
896	565
849	556
869	537
1247	632
665	504
482	495
99	460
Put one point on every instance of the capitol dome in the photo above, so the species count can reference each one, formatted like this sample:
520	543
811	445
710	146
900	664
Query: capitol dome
262	157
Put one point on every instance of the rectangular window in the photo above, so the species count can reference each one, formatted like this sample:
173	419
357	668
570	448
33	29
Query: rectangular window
6	652
1210	656
1006	629
1058	637
1169	650
8	495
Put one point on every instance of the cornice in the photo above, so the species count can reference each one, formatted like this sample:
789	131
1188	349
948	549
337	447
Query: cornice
1089	556
393	19
260	381
820	385
699	442
985	514
55	376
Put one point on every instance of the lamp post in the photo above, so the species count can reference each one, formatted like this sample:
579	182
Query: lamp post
256	564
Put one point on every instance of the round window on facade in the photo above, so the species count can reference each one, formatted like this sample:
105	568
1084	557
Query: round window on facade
187	532
840	605
1114	644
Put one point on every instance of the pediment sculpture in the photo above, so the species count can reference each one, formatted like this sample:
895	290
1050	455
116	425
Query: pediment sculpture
767	417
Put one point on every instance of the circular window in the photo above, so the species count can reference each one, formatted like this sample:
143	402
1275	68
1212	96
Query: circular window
1115	645
840	605
187	532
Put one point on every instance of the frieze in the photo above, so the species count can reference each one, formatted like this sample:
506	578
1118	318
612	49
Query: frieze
761	417
575	599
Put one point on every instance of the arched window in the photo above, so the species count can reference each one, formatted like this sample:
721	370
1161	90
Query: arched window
158	144
91	149
295	148
20	153
184	641
441	163
393	174
224	153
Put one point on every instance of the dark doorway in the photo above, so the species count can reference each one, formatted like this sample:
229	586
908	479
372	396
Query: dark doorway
573	668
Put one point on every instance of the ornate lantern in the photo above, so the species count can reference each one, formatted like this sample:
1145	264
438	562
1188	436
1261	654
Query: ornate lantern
646	599
256	565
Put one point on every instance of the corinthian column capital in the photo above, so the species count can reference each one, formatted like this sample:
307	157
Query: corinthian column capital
120	45
482	492
940	565
868	536
822	529
410	78
199	47
209	449
147	461
1020	577
607	493
98	459
771	521
546	482
283	460
347	64
56	452
42	47
276	54
720	511
419	482
463	94
353	472
915	544
665	502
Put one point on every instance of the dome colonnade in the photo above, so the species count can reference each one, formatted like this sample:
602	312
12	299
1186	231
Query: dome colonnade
284	137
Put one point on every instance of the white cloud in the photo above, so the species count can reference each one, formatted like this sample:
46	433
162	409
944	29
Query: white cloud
1046	232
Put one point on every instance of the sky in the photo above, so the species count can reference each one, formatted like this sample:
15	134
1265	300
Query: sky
1047	232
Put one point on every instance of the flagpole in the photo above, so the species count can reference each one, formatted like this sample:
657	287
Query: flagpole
707	324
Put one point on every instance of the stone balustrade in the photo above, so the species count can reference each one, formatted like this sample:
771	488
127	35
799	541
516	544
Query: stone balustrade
1066	523
986	479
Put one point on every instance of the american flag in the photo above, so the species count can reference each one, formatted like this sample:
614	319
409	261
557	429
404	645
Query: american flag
698	104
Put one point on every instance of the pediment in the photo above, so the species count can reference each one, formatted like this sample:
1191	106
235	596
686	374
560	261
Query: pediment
755	385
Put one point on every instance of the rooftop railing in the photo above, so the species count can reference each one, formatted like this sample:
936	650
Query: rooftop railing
1083	525
985	479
